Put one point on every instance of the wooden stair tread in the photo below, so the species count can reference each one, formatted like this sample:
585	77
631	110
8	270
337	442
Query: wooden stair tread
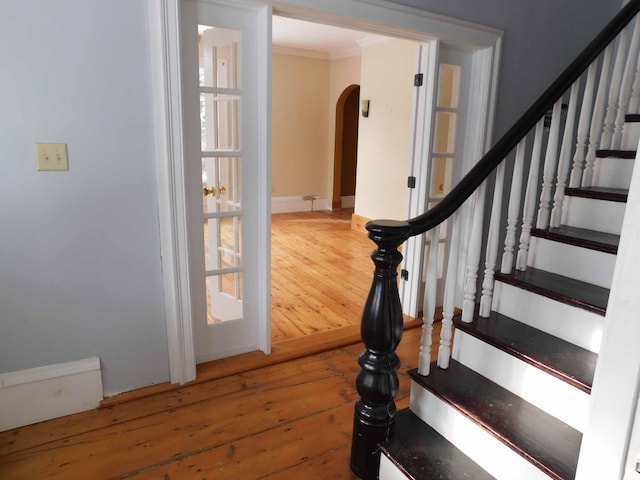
558	287
599	193
421	453
566	361
632	117
616	154
581	237
543	440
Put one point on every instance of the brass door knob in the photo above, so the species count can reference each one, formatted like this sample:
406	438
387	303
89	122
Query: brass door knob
211	191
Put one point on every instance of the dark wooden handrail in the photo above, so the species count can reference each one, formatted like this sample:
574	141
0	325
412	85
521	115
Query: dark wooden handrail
382	321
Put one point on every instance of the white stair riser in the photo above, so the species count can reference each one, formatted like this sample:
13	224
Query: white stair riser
389	470
580	263
630	135
541	389
474	441
600	215
612	172
575	325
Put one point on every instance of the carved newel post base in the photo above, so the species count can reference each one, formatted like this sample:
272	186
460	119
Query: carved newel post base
381	331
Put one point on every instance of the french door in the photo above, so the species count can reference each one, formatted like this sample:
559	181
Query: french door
227	148
439	159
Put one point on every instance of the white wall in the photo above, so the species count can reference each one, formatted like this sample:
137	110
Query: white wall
79	250
384	138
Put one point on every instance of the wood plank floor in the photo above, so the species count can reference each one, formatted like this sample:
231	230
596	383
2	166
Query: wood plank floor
292	420
321	273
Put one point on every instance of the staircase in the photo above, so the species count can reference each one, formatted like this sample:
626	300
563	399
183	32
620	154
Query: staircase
517	387
509	395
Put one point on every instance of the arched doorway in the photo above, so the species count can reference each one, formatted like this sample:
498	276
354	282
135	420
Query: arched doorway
346	147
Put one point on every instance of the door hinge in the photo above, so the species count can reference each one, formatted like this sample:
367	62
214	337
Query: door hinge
411	182
417	79
404	274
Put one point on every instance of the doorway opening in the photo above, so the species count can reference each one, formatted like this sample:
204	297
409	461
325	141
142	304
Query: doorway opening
179	180
321	266
345	158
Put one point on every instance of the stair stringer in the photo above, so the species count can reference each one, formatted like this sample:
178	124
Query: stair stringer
497	458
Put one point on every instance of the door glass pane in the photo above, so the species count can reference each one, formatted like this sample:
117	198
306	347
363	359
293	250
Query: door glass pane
222	243
221	184
219	50
224	295
449	86
219	122
220	128
440	177
445	135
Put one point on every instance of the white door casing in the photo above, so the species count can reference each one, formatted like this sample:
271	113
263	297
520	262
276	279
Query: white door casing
376	16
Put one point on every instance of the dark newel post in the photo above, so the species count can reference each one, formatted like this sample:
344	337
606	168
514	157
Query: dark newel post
381	331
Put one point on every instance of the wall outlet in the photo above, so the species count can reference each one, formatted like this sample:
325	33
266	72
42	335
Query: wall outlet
52	156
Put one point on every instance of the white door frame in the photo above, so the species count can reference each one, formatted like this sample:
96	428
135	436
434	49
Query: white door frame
375	16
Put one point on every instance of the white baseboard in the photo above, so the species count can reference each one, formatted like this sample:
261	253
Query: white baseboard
298	204
42	393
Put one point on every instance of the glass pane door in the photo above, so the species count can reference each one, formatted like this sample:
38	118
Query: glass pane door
225	70
220	126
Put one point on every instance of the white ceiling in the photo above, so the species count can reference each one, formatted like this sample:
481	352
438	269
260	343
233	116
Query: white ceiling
334	41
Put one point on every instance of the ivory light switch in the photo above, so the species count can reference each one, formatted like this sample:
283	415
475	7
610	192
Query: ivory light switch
52	156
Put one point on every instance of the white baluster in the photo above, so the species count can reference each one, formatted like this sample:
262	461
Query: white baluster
530	198
492	244
583	126
626	85
514	208
614	91
473	256
597	118
451	286
634	101
550	160
565	153
429	308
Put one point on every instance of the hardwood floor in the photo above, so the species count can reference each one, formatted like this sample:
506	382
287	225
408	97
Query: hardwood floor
292	420
321	273
284	416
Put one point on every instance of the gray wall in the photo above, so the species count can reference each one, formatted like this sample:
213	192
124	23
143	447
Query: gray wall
80	271
540	38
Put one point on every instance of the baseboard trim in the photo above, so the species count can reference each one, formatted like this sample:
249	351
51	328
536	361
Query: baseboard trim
299	204
37	394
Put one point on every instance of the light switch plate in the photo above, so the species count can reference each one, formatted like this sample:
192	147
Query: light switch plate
52	156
